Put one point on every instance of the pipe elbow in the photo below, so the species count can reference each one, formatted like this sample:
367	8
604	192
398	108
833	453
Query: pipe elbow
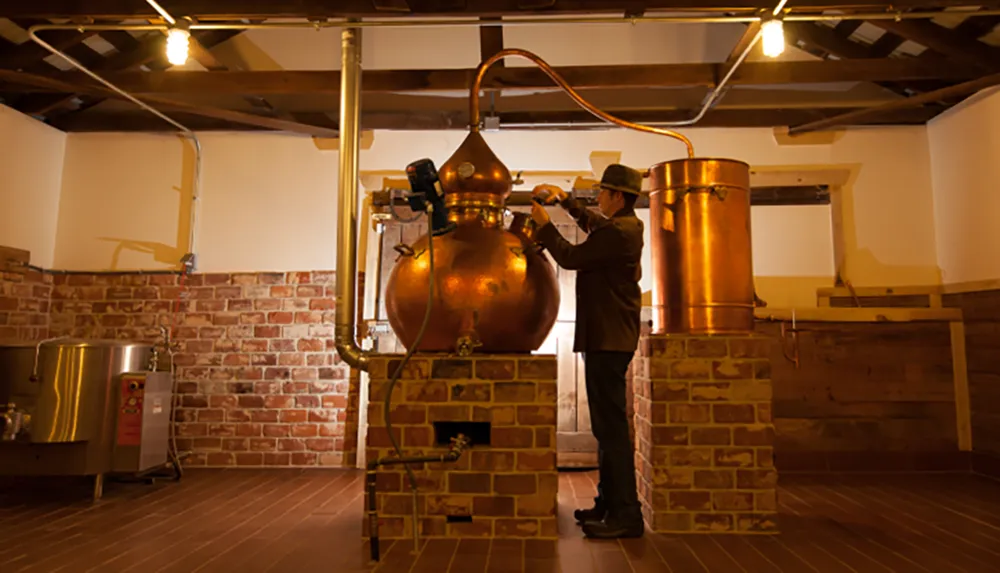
352	355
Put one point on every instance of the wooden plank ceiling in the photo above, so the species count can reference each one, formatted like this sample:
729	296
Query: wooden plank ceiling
951	51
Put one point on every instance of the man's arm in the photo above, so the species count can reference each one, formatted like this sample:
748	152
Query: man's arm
584	217
604	243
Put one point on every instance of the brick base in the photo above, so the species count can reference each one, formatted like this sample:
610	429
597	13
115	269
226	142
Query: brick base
704	434
506	488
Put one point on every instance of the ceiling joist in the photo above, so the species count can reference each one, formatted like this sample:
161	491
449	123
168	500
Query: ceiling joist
236	9
953	44
165	104
582	77
229	95
863	115
408	119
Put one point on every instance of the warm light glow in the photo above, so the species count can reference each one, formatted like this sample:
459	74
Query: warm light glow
177	46
773	38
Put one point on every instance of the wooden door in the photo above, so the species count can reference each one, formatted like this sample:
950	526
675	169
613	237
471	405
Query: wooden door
396	232
575	445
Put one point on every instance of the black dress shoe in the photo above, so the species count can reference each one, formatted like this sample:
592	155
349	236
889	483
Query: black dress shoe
596	513
614	529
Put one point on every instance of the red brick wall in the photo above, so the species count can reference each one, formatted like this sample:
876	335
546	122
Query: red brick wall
507	487
24	305
259	378
705	433
981	311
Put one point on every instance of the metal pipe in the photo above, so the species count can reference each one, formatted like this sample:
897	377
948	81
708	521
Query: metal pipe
918	100
380	230
125	272
718	91
166	15
370	482
458	445
347	207
446	22
485	65
188	261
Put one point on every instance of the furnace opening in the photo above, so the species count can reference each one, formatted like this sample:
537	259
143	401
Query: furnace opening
478	433
458	519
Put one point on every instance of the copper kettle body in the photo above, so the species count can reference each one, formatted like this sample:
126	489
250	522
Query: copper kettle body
494	290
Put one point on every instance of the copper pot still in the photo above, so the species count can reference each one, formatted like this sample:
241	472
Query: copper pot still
494	292
701	246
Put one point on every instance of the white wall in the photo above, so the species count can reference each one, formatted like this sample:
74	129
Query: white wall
31	161
965	164
269	201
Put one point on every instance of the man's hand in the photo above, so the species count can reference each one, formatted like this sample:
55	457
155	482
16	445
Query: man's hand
550	193
539	215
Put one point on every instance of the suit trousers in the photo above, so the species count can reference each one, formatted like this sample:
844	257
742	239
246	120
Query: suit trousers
605	377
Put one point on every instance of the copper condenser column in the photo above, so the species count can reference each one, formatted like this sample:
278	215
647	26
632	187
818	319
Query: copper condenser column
702	258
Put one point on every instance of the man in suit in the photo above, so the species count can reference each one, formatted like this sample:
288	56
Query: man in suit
608	304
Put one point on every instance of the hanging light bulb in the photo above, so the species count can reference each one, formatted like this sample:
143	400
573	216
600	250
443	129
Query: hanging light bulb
773	38
177	46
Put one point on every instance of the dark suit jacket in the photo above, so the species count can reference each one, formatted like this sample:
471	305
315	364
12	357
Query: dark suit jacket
607	265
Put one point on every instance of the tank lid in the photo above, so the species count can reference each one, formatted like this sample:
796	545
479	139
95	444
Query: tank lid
75	342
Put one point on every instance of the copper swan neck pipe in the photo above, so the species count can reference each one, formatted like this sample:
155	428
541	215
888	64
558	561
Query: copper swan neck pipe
549	71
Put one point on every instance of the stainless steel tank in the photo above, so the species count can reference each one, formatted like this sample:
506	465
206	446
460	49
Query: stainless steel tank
81	407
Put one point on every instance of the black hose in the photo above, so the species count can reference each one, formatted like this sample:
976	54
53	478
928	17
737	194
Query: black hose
372	506
413	347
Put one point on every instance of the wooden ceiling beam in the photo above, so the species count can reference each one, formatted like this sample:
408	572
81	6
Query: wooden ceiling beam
915	102
583	77
444	120
29	54
885	45
831	42
955	45
491	40
977	26
148	53
235	9
826	39
847	27
203	55
749	34
167	105
72	47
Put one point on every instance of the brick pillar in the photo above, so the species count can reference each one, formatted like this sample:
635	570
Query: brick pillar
704	434
504	488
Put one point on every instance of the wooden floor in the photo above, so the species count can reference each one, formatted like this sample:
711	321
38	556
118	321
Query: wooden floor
308	521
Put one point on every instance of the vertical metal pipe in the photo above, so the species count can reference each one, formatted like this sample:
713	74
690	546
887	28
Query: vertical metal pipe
347	207
380	229
371	488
